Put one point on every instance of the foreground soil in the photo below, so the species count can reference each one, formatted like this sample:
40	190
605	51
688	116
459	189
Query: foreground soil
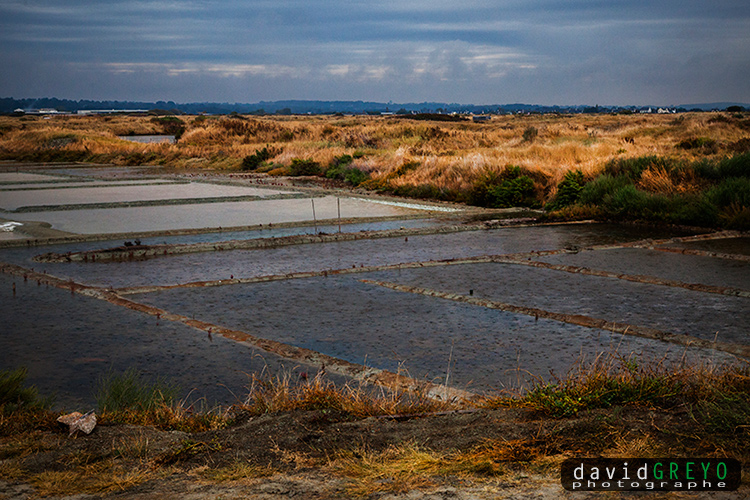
325	455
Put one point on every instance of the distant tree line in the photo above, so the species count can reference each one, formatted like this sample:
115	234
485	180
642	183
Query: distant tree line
9	105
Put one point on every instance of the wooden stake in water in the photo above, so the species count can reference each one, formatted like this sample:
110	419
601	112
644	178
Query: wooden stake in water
338	204
315	220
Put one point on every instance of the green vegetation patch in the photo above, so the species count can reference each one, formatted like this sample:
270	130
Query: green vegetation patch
707	193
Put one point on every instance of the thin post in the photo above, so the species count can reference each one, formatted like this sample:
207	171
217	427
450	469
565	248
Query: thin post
315	220
338	204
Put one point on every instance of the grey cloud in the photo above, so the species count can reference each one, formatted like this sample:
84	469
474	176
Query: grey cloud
546	51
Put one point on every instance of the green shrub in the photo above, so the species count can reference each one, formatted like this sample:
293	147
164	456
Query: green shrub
513	193
704	143
14	395
511	188
632	168
735	166
595	191
569	190
255	160
355	176
338	167
694	210
479	195
341	169
730	191
304	167
426	191
170	125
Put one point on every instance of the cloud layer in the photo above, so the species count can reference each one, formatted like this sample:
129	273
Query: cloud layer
476	51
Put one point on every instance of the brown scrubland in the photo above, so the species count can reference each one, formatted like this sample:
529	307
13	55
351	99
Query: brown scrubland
448	157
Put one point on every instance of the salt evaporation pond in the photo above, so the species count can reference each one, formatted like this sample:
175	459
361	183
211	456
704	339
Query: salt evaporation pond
20	177
480	349
148	139
676	267
676	310
75	183
12	200
208	215
740	245
204	266
67	342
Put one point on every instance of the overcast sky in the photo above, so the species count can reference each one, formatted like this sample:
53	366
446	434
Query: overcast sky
613	52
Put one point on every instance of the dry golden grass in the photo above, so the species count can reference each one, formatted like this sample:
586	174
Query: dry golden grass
409	466
100	477
238	471
450	155
282	393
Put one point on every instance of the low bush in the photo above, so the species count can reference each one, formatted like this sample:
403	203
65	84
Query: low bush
569	190
730	191
513	187
15	395
632	168
596	191
257	159
707	145
304	167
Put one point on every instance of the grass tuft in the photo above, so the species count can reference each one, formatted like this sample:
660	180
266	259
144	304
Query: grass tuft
283	393
129	398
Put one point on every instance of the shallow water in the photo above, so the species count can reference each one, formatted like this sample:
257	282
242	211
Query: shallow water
148	139
177	269
67	342
677	267
207	215
22	177
739	246
12	200
65	183
487	350
676	310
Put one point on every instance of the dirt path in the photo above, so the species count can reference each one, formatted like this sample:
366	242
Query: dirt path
516	454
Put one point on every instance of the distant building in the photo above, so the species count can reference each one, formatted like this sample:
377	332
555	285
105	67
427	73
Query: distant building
481	118
110	111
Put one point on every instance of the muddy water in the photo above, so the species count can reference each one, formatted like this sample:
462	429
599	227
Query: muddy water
677	267
676	310
739	246
68	341
250	263
479	349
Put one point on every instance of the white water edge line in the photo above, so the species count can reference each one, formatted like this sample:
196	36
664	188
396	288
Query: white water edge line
409	205
10	226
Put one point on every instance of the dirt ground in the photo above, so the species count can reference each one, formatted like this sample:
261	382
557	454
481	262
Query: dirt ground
303	454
